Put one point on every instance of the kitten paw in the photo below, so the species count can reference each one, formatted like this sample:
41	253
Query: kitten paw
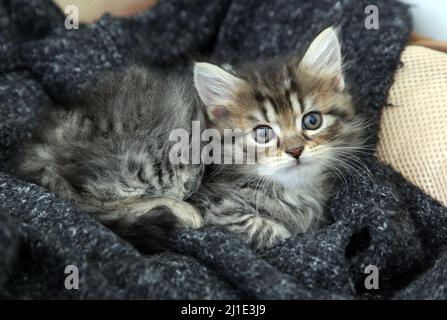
188	215
261	232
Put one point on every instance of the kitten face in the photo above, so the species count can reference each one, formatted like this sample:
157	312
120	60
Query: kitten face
296	114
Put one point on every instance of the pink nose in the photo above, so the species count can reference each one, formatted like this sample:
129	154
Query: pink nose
295	152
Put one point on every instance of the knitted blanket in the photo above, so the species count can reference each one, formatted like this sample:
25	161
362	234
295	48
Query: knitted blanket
381	226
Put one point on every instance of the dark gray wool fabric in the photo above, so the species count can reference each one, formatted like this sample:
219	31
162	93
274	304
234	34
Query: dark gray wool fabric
383	221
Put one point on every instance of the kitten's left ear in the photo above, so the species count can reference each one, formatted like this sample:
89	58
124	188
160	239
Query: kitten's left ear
324	57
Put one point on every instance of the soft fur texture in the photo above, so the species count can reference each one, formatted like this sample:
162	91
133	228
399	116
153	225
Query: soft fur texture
108	153
385	221
112	153
282	193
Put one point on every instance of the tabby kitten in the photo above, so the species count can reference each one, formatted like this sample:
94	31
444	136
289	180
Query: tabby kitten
110	153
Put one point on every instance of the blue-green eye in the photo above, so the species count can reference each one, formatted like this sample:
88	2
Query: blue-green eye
312	120
263	134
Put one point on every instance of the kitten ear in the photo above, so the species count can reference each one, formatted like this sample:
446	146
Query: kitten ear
215	87
324	57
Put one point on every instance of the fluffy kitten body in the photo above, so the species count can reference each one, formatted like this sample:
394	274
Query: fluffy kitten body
109	153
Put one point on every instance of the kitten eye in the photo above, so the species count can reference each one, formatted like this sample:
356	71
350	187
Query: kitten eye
312	121
263	134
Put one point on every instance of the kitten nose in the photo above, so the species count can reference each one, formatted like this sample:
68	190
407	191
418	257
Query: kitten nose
295	152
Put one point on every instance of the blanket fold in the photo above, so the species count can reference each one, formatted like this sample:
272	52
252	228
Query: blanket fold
377	217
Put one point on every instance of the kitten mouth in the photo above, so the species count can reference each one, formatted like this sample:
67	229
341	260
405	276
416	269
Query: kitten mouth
296	163
303	161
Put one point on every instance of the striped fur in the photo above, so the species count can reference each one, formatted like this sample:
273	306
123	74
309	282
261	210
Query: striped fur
108	153
279	196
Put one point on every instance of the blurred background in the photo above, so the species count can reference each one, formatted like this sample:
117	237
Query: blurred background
429	18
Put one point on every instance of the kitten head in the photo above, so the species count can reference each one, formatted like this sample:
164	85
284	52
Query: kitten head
296	113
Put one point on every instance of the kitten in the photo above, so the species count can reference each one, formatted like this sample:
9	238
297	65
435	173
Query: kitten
110	154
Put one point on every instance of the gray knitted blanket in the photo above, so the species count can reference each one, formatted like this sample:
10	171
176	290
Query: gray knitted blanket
385	222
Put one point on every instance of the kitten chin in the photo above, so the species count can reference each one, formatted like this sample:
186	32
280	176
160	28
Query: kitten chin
295	176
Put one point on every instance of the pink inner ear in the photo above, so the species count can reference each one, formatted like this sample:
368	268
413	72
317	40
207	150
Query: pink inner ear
218	112
338	83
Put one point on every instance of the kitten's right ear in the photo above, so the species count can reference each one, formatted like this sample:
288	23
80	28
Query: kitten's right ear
216	88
